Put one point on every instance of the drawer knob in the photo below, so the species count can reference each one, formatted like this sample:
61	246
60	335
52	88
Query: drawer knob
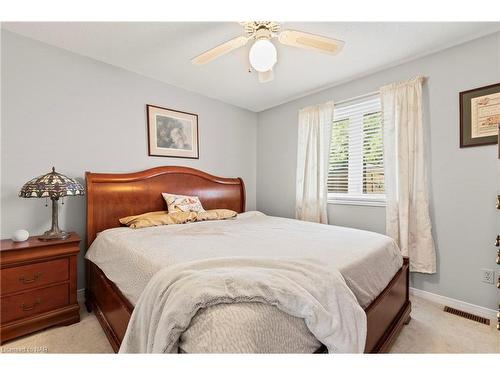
28	308
35	277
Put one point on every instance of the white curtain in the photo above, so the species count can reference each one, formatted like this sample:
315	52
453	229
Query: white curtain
312	162
407	214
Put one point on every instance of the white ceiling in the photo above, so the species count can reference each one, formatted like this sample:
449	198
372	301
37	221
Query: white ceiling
162	51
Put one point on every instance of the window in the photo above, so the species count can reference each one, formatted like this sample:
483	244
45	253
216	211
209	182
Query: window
356	166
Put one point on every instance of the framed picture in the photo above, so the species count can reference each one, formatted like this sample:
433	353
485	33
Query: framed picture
480	116
172	133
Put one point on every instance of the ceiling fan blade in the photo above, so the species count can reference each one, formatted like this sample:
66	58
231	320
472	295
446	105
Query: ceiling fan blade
310	41
220	50
266	76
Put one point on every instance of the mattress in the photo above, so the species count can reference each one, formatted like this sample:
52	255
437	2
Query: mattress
130	257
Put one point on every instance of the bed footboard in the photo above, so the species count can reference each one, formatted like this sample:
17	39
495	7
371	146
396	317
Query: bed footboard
386	315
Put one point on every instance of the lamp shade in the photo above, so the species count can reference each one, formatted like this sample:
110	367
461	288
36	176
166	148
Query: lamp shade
51	185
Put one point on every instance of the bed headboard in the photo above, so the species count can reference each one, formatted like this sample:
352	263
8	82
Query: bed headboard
112	196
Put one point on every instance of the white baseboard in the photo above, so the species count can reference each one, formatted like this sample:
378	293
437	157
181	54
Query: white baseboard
80	295
455	303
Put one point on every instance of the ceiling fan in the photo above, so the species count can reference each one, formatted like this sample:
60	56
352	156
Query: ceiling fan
263	55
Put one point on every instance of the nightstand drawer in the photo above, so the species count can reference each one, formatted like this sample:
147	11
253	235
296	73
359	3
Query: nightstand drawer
34	302
16	279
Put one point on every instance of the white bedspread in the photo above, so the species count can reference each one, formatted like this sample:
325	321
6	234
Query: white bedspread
303	288
130	258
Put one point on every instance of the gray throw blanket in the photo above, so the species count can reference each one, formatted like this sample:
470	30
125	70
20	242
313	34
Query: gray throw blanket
299	287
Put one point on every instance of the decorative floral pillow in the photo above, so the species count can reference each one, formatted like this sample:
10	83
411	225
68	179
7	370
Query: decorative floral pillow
182	203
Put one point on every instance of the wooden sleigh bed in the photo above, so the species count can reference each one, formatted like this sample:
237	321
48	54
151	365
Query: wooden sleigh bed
112	196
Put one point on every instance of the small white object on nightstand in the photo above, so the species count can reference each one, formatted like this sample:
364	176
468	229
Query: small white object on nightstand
20	235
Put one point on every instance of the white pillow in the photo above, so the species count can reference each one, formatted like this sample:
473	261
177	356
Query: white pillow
182	203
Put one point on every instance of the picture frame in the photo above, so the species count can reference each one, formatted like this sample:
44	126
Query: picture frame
172	133
479	116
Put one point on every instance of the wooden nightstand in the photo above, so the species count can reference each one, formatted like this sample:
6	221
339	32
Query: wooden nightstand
38	285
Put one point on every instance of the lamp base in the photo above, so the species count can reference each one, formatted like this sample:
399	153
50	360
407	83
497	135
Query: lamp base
54	235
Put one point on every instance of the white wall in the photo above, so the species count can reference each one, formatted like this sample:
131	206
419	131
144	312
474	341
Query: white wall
464	182
68	111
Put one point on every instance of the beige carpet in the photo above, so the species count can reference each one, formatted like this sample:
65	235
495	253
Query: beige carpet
430	331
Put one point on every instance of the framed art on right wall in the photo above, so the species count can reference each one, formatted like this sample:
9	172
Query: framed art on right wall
480	116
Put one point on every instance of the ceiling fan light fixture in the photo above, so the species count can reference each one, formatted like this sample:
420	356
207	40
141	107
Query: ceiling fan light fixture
263	55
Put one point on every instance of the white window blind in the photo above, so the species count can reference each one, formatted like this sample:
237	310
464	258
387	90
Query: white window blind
356	167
